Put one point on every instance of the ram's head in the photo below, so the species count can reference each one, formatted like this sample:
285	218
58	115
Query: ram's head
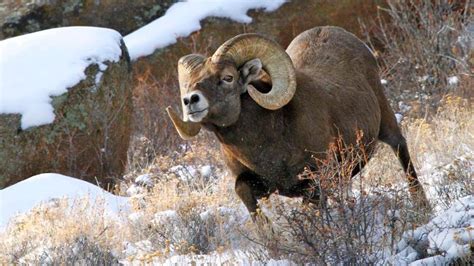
211	87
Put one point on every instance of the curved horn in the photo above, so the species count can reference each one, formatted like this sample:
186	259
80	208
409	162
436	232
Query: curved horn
275	61
186	130
188	64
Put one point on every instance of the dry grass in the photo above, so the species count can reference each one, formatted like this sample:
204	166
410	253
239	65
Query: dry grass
420	45
444	142
177	219
52	234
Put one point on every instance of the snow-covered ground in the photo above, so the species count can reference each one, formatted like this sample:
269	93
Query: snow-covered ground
36	66
227	258
27	194
447	236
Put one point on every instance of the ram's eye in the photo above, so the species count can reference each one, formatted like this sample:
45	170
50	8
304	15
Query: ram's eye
228	78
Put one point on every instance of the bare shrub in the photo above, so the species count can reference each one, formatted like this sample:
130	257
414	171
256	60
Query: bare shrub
52	234
352	227
184	213
150	120
444	148
367	227
426	50
82	250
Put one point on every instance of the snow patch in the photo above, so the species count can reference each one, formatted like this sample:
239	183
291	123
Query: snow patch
403	107
439	178
453	81
399	118
205	171
423	78
233	257
36	66
447	237
135	217
25	195
136	191
184	173
183	18
165	217
144	180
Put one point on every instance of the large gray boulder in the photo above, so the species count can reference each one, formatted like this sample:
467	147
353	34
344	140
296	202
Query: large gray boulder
90	134
125	16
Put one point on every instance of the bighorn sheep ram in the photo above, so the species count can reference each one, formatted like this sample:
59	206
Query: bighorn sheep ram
326	85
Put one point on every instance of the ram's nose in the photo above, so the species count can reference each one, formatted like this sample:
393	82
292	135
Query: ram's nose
191	99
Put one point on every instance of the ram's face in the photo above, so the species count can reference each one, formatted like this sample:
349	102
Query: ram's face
211	93
211	87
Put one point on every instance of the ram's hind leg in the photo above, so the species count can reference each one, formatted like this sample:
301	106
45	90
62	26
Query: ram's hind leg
398	144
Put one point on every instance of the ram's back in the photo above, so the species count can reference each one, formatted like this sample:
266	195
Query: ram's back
337	72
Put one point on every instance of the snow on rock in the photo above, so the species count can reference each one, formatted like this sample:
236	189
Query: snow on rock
144	180
25	195
163	217
441	184
42	252
135	217
445	238
453	81
184	173
183	18
423	78
136	191
399	118
189	172
144	246
403	107
237	215
129	249
36	66
205	171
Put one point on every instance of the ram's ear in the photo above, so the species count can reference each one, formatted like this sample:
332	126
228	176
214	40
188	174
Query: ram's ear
250	71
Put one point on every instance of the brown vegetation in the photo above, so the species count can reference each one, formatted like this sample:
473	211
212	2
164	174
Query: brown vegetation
422	47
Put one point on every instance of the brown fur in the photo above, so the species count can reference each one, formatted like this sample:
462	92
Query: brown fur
338	92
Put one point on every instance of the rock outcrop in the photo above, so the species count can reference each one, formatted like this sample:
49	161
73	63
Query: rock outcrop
89	137
124	16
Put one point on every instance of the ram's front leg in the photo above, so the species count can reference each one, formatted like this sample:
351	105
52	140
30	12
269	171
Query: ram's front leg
250	187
